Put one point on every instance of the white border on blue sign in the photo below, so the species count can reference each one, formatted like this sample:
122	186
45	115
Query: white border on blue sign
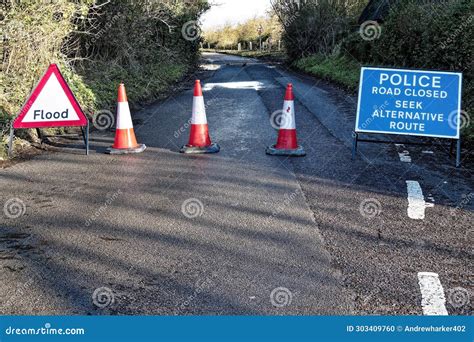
412	134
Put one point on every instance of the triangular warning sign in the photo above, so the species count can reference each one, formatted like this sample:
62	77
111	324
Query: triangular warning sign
51	104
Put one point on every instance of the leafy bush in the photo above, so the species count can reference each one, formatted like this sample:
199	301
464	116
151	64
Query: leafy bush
33	33
315	29
315	26
97	45
439	36
228	37
140	43
420	34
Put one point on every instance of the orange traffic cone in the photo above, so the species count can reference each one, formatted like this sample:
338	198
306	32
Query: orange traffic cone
287	143
199	139
125	141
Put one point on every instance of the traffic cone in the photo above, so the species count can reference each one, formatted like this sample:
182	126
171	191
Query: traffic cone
125	140
199	139
287	143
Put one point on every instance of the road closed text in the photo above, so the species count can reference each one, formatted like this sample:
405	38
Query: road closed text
410	85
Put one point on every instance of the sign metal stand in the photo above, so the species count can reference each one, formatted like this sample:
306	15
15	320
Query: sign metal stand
10	141
356	140
84	134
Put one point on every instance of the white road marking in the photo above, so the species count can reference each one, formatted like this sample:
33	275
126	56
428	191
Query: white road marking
432	294
405	155
211	67
236	85
427	152
416	201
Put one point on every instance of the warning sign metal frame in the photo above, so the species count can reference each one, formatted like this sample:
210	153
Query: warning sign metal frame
82	122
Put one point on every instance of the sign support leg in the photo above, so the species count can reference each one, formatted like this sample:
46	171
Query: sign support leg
458	153
85	136
10	141
355	137
40	136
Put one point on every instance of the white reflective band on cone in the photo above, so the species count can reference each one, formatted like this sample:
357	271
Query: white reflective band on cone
288	116
124	119
199	111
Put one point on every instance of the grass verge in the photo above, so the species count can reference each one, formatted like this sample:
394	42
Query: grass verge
338	69
273	56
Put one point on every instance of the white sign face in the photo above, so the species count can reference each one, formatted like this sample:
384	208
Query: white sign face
51	104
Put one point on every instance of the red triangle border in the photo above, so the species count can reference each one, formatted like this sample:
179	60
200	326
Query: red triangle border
52	69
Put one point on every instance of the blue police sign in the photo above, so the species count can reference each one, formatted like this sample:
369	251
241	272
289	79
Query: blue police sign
409	102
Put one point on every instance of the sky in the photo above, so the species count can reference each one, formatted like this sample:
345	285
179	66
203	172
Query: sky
233	12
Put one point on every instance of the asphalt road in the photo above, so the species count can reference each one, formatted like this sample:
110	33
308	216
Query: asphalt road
238	232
